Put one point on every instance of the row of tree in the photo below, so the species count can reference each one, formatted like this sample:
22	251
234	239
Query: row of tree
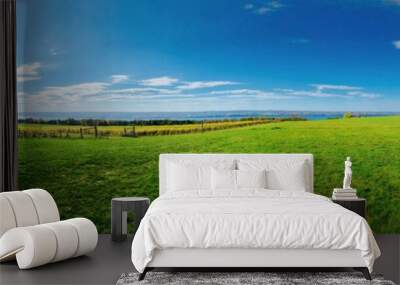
93	122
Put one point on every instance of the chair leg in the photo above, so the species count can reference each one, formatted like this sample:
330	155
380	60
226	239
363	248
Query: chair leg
364	271
143	274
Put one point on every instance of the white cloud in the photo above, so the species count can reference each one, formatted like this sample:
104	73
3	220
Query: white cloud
263	8
117	78
235	91
142	97
53	51
204	84
240	92
275	4
28	72
321	87
215	92
27	78
100	91
144	90
331	91
70	93
312	93
29	69
56	51
300	41
275	94
159	81
250	93
364	94
397	44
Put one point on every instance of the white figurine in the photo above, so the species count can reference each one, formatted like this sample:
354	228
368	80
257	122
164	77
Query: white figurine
347	174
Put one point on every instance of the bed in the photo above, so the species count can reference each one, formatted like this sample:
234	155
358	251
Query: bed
246	211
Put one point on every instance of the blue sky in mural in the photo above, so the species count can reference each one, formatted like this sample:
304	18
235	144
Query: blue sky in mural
98	55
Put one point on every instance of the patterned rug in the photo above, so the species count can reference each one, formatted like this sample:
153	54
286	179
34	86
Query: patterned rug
243	278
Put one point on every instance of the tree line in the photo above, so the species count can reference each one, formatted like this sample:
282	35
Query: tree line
95	122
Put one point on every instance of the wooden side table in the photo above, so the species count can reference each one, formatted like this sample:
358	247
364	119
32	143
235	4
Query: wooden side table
119	214
358	206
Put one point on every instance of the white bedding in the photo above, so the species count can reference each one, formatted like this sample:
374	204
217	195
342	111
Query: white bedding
250	219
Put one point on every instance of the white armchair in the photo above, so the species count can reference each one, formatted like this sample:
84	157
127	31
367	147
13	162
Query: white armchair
31	230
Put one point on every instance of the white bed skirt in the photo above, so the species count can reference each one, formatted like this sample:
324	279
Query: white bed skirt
189	257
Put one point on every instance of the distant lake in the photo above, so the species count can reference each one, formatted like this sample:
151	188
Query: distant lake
198	116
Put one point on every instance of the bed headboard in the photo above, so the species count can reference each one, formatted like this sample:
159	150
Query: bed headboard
209	157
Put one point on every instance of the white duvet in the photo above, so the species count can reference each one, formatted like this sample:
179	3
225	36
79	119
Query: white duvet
250	219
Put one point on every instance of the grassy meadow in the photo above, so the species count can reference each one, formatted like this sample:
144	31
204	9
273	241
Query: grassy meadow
83	175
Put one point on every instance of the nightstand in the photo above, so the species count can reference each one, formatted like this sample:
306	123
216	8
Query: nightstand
119	214
358	206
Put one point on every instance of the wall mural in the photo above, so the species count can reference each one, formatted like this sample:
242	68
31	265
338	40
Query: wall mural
104	87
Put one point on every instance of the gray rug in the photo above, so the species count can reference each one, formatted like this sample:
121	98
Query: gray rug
269	278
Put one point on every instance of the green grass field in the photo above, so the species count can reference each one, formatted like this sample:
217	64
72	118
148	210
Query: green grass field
83	175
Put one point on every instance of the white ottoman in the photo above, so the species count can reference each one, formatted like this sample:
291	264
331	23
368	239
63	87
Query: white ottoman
31	232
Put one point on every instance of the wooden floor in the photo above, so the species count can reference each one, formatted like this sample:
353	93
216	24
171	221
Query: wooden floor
110	260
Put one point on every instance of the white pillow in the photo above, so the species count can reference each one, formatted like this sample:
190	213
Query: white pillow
226	179
223	179
251	178
281	174
187	177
